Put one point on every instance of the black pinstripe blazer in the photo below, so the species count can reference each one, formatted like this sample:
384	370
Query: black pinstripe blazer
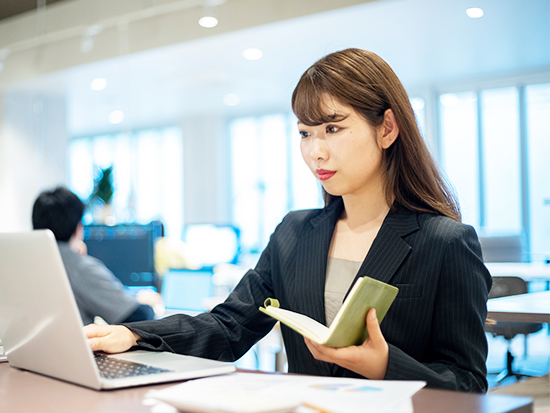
435	327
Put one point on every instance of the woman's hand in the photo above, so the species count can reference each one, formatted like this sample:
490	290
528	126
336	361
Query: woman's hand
369	359
110	339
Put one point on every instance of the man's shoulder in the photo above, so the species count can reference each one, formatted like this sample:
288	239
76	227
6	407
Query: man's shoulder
81	264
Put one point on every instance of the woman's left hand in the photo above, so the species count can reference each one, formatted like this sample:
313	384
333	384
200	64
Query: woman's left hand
369	359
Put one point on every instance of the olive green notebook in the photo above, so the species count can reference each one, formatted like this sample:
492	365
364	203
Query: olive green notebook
349	325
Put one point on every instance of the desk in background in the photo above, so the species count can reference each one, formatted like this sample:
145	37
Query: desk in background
528	308
529	271
22	391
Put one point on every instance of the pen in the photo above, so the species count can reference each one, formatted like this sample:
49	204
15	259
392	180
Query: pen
319	409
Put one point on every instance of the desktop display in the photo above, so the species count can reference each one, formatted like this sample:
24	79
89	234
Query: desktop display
187	290
128	250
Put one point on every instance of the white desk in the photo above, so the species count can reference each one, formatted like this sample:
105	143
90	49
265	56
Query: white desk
22	391
529	308
529	271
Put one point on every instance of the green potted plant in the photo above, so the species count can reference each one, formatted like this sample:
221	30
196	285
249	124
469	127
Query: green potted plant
102	195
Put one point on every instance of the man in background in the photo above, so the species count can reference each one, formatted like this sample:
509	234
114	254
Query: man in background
96	289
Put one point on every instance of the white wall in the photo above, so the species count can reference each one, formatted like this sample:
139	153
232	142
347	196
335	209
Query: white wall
33	141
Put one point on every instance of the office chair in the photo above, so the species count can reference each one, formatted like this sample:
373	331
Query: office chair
504	248
502	287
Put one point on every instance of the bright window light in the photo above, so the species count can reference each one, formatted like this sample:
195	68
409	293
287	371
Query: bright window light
449	99
474	12
116	116
231	99
147	174
417	103
98	84
208	22
252	54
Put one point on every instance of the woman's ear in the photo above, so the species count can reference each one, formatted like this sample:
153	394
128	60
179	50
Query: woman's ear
388	131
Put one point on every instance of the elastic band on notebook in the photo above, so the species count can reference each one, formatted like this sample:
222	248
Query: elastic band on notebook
272	302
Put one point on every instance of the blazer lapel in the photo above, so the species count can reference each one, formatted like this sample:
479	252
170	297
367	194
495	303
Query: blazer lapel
389	249
386	253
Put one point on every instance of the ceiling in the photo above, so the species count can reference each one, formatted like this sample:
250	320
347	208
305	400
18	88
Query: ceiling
10	8
427	42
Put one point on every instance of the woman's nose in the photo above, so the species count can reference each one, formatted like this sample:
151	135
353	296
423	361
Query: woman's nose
318	149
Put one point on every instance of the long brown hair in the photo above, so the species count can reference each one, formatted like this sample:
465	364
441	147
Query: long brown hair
364	81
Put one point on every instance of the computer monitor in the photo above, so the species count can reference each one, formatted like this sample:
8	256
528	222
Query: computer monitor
188	290
128	250
213	243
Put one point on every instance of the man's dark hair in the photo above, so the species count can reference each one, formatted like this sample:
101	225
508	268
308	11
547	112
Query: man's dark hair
59	210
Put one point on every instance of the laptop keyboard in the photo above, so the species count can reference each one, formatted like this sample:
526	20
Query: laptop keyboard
111	368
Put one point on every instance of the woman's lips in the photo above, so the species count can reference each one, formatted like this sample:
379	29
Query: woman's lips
324	174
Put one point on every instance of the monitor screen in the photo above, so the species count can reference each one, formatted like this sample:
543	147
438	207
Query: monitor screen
213	244
128	250
185	289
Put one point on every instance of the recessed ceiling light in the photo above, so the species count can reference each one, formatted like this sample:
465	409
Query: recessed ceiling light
98	84
474	12
231	99
208	22
116	116
252	54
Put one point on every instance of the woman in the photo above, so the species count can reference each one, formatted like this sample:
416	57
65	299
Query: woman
388	215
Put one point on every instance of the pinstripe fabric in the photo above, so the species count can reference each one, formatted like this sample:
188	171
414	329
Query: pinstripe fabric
435	327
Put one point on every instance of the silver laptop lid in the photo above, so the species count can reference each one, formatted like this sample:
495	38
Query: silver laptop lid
40	324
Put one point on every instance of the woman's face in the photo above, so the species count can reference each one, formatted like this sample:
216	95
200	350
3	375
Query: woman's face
345	155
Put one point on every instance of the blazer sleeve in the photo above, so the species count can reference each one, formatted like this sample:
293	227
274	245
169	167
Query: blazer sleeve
458	346
225	333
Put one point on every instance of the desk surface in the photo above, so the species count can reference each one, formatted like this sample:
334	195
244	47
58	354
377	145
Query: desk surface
529	271
22	391
529	308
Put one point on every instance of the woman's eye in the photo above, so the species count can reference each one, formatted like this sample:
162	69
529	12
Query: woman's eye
304	134
332	129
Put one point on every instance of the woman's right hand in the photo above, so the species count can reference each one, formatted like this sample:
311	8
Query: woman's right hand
110	339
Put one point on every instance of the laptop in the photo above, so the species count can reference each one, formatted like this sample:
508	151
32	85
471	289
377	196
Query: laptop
41	328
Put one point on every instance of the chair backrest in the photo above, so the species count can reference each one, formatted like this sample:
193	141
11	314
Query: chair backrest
505	286
507	248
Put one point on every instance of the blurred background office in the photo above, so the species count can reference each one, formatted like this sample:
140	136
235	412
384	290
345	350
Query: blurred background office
196	123
192	124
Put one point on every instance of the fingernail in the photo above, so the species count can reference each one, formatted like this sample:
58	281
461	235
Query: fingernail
373	314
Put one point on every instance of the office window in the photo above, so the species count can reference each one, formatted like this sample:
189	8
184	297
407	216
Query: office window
460	151
482	150
147	174
418	106
501	161
269	178
538	132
